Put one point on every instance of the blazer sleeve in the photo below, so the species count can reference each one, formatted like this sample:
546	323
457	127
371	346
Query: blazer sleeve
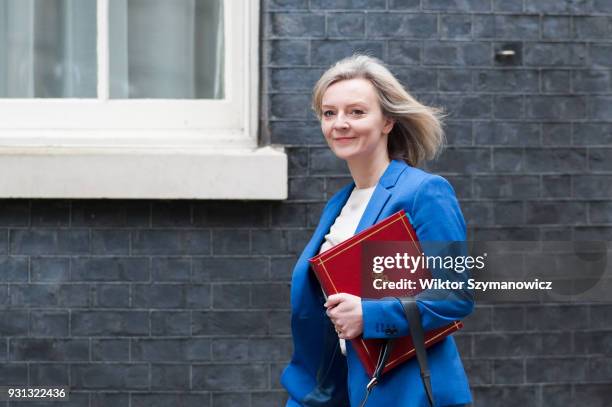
436	217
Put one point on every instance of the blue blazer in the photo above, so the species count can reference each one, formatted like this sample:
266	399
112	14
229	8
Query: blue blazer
318	374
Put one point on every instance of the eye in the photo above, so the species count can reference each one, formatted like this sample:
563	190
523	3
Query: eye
325	113
358	111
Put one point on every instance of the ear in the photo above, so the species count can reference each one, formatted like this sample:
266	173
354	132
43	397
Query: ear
389	123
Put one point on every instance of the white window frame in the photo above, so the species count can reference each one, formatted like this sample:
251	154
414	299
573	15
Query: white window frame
147	148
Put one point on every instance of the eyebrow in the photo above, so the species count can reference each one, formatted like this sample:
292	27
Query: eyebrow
360	102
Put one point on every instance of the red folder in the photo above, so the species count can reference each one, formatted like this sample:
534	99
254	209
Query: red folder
339	269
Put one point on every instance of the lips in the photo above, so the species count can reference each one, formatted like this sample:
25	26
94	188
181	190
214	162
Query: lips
344	138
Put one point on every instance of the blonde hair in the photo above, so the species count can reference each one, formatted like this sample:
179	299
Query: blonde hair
417	134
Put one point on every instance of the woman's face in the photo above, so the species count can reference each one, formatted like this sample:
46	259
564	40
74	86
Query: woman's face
352	123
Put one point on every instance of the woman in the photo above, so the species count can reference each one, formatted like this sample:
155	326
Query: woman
370	121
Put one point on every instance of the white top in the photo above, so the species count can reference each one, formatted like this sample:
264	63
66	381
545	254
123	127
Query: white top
346	223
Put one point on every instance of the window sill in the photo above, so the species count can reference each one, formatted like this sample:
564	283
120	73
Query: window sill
235	172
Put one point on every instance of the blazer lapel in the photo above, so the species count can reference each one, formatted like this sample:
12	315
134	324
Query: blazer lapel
381	194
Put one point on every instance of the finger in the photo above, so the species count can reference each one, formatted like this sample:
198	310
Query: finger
333	300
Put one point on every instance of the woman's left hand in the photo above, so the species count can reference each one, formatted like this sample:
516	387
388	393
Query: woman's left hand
345	312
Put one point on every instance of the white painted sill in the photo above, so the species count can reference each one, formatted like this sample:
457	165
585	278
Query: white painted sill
236	172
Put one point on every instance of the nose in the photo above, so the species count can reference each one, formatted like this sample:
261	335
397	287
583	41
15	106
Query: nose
340	122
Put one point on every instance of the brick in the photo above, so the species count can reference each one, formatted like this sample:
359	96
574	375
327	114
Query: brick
507	133
596	395
455	80
556	134
4	242
540	54
593	28
592	133
306	188
171	269
508	107
13	373
517	27
555	81
505	396
169	377
463	160
599	159
564	317
31	349
600	369
110	269
456	54
592	343
168	350
49	241
506	344
181	399
282	267
112	296
170	323
479	320
507	6
109	323
601	316
48	269
111	376
269	241
473	107
334	184
556	343
346	25
483	26
327	52
293	79
230	349
50	212
15	269
106	350
555	27
115	242
551	370
101	399
479	371
48	323
403	53
601	55
602	6
295	25
231	296
287	214
13	323
459	5
556	186
505	233
170	213
285	4
298	161
506	186
270	295
592	233
229	377
506	80
416	79
230	214
401	25
229	269
592	186
227	399
347	4
161	242
600	212
110	213
50	295
290	106
462	186
508	318
270	349
509	213
477	213
14	212
297	133
556	212
263	399
231	241
557	6
601	107
455	26
555	159
50	374
508	371
591	80
286	52
279	323
229	323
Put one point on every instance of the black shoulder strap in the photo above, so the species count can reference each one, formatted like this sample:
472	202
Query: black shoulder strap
418	339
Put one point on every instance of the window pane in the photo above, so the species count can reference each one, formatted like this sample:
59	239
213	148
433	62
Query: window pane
166	49
48	48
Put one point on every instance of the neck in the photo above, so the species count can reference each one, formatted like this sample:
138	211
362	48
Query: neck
366	173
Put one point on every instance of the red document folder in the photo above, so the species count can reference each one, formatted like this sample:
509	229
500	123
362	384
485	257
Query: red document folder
339	271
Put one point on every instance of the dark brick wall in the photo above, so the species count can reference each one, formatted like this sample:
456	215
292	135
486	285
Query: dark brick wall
157	303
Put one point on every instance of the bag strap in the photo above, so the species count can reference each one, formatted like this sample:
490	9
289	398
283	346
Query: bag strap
413	316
